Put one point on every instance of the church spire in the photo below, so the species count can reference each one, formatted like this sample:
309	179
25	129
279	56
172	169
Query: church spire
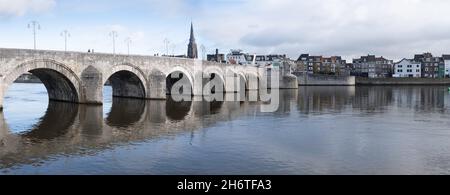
192	47
192	38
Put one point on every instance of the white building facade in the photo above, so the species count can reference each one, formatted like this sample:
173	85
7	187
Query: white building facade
447	65
407	68
237	57
447	68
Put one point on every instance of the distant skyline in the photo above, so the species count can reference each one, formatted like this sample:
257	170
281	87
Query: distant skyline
350	28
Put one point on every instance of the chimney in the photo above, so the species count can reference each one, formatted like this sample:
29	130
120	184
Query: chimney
217	55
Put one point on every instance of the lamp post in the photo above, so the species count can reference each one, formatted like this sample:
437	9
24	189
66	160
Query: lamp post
172	47
114	35
128	41
35	26
65	34
166	44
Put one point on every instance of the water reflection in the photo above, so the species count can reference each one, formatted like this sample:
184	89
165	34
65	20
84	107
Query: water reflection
177	111
325	98
125	112
77	129
55	123
91	120
373	99
283	137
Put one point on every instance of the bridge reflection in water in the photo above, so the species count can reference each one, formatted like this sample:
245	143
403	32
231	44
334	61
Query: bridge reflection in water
68	128
76	130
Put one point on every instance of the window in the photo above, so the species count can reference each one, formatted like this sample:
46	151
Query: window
400	66
417	70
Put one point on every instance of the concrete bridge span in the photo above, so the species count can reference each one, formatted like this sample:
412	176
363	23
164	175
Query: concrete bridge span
79	77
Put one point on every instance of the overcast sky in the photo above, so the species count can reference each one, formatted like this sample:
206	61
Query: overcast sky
390	28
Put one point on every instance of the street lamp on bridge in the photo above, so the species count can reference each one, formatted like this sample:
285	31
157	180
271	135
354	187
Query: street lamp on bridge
65	34
35	26
114	35
166	44
128	41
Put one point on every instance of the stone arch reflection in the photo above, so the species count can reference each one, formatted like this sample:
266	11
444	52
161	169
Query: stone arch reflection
55	123
203	108
177	111
125	112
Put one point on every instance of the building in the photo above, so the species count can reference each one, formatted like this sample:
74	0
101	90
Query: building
217	57
432	67
308	63
372	67
407	68
268	61
348	68
238	57
446	59
273	60
334	65
322	65
192	46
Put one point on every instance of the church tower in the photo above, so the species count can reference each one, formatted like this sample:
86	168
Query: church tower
192	47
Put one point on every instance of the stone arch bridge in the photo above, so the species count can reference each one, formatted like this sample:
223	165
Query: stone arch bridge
79	77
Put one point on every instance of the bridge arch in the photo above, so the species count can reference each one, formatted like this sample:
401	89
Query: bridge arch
127	81
61	82
179	77
214	76
235	81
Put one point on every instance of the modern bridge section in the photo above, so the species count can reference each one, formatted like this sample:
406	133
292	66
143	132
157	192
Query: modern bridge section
79	77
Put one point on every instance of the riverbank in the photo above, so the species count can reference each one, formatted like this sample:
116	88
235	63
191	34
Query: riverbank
402	81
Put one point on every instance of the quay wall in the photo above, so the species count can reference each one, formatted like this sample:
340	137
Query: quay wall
324	80
402	81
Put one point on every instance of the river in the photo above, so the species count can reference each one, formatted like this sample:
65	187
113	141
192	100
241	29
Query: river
316	130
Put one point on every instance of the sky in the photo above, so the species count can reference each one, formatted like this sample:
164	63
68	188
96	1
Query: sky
350	28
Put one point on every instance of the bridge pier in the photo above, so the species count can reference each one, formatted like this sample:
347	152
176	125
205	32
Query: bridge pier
92	89
157	85
253	82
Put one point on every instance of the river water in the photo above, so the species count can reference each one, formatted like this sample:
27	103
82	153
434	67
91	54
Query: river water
316	130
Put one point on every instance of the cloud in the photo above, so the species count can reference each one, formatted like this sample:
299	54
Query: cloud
394	29
21	7
348	27
269	38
